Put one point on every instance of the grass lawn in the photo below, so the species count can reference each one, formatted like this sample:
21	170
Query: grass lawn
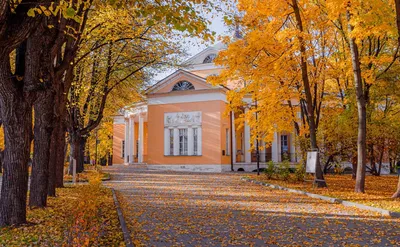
378	190
84	215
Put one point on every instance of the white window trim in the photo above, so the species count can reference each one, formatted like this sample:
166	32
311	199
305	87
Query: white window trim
190	140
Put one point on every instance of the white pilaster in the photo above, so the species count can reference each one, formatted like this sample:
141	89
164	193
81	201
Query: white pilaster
176	141
233	138
247	153
199	141
274	148
292	144
141	140
166	141
126	141
190	141
131	139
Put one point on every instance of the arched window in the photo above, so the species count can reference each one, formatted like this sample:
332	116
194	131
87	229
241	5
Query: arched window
182	86
210	58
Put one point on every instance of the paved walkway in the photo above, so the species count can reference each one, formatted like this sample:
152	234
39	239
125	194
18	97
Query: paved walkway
186	209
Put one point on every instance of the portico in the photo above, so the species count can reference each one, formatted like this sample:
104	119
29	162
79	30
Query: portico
134	145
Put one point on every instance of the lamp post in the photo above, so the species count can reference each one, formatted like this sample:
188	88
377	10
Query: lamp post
95	156
257	144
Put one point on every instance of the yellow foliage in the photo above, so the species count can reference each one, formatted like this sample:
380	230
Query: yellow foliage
80	216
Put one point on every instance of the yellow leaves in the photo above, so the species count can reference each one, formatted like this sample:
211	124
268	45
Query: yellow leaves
79	216
378	189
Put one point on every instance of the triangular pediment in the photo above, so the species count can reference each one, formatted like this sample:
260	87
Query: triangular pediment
199	57
166	85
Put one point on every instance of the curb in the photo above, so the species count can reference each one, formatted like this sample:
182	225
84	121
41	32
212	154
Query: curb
125	231
382	211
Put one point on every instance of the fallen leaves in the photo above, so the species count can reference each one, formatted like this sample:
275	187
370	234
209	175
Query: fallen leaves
378	189
188	209
80	216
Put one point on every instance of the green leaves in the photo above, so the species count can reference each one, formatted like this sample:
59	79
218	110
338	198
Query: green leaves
70	12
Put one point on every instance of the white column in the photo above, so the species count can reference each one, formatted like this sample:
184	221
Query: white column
131	140
190	141
199	141
141	140
166	141
247	153
126	141
233	138
176	141
263	151
274	148
292	148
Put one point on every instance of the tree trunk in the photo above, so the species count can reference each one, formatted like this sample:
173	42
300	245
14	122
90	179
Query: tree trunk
17	117
1	161
319	175
354	165
76	153
362	113
397	4
61	152
397	193
44	121
51	191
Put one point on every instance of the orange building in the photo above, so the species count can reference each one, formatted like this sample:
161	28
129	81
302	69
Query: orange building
183	126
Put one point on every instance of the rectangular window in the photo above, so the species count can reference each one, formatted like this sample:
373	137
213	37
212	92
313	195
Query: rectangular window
171	142
122	149
195	144
183	142
227	144
284	144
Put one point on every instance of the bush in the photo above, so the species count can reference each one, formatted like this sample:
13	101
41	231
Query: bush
300	173
284	170
270	170
338	169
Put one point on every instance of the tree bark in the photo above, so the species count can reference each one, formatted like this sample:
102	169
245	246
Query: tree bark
362	112
319	175
397	193
76	152
61	152
43	129
16	112
397	4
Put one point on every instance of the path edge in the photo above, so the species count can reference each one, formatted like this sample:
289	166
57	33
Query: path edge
382	211
125	231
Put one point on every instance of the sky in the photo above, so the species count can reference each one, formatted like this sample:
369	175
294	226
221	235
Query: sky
196	45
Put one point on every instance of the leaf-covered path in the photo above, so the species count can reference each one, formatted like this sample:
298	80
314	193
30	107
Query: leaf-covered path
194	209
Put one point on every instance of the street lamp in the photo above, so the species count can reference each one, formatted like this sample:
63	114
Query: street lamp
95	156
257	144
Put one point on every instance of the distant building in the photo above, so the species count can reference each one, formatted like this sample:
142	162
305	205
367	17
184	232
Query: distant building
182	126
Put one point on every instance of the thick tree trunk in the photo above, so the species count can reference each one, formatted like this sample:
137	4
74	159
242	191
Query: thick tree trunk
61	152
51	191
17	117
319	175
16	113
44	121
362	113
397	4
76	152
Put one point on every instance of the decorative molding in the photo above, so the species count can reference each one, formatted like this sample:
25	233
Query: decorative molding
187	99
182	118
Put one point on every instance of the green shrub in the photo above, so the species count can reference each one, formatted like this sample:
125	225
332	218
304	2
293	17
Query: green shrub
300	173
270	170
338	169
284	170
